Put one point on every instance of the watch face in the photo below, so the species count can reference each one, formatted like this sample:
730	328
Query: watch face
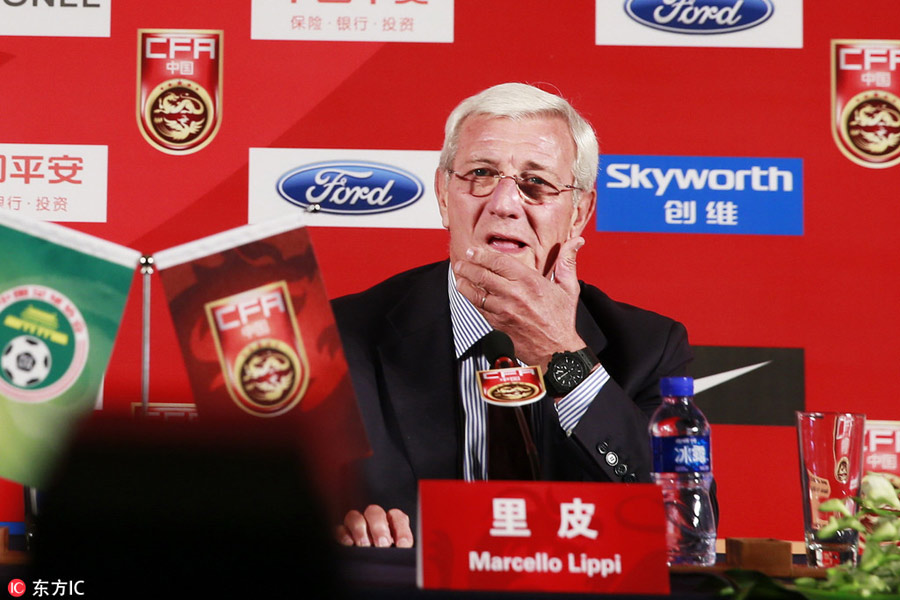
568	371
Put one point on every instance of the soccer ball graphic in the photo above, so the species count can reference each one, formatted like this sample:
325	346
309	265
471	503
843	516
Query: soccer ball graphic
25	361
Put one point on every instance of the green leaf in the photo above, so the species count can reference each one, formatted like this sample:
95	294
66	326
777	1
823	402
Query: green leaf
885	531
879	490
835	505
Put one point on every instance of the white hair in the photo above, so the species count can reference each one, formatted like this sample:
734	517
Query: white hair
518	101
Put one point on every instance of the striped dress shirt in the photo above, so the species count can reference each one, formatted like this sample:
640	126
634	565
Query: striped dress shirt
469	326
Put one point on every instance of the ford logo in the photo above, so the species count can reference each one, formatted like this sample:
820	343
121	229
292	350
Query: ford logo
348	187
700	16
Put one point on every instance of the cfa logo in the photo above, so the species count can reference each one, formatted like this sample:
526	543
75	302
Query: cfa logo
881	439
179	106
264	304
865	101
260	349
17	588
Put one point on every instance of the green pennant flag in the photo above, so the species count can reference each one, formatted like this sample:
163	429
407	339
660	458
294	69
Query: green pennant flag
62	294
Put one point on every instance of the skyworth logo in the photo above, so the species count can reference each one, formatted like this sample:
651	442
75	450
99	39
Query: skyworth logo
691	194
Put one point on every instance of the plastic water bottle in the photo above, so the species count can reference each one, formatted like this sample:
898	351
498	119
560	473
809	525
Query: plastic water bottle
682	466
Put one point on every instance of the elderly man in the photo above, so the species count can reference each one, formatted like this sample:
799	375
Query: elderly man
516	188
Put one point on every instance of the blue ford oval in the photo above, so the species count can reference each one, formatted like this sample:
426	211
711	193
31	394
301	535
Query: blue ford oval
700	16
350	187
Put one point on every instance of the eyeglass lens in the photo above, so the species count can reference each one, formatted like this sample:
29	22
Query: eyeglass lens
539	192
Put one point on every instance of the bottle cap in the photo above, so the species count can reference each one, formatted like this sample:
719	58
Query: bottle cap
676	386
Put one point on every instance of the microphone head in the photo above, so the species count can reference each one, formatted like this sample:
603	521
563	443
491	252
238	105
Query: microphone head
496	346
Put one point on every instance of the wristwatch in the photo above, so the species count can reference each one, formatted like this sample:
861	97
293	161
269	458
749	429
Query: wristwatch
567	369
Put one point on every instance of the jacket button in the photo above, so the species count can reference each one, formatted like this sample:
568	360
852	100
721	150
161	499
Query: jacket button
603	447
612	459
621	469
630	478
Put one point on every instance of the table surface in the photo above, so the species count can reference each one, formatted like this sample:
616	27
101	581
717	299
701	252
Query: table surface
391	573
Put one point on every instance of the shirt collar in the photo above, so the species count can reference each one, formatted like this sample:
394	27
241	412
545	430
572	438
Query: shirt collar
469	325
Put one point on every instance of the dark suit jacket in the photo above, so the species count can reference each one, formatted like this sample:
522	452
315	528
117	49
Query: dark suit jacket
398	340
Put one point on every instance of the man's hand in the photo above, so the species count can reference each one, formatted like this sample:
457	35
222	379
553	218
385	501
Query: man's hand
537	312
375	527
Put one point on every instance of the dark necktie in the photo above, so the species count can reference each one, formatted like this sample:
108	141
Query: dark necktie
507	447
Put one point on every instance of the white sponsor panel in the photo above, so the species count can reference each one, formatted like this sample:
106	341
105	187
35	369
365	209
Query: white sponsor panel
778	23
353	20
52	18
344	188
54	182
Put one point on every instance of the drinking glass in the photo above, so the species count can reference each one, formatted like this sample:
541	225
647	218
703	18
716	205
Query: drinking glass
831	452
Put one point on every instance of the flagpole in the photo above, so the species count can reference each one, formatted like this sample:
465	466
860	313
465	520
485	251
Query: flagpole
146	263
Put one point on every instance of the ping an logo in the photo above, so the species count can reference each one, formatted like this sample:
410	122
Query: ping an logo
700	16
350	187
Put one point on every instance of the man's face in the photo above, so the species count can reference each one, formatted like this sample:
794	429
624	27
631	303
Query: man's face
502	221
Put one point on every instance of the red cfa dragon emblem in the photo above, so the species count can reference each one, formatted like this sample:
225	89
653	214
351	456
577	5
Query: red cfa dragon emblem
260	349
179	88
179	115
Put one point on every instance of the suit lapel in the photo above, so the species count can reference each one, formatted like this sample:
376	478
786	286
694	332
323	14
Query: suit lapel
421	377
588	329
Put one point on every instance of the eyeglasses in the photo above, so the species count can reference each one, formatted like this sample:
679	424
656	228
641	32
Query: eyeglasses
532	188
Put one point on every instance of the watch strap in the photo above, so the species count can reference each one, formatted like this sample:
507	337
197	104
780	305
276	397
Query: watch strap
589	358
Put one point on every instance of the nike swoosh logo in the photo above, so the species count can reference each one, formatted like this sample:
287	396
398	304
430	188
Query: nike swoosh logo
704	383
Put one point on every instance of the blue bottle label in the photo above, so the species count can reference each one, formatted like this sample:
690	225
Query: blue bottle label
688	454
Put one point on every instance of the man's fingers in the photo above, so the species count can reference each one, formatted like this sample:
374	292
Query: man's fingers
471	292
399	522
375	526
356	527
342	535
564	270
479	275
379	530
490	272
368	528
503	265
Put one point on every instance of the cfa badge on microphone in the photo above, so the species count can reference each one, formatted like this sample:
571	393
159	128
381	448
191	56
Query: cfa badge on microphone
513	386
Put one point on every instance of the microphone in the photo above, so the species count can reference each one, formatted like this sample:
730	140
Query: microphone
508	384
498	349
